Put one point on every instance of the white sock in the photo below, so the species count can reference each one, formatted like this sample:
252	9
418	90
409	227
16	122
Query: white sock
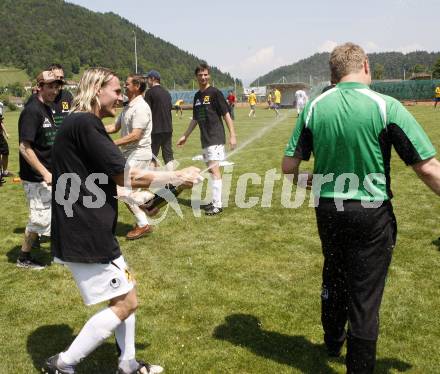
95	331
139	214
125	337
171	165
217	193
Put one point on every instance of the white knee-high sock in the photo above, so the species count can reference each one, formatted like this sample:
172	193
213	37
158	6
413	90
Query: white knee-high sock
125	336
95	331
217	193
139	214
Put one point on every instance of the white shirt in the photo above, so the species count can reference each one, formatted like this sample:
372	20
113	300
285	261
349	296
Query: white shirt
301	96
136	115
1	109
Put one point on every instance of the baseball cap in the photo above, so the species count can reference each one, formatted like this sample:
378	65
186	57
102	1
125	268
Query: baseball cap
48	76
153	74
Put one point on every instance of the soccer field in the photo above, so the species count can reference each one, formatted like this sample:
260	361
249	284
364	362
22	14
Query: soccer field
234	293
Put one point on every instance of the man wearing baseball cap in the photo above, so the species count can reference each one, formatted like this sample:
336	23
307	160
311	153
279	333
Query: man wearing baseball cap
36	129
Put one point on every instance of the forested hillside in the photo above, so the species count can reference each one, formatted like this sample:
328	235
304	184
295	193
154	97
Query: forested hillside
34	34
386	65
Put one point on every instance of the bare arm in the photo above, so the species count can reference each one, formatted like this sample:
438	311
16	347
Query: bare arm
429	172
31	158
232	136
133	137
192	125
290	166
146	178
3	128
113	128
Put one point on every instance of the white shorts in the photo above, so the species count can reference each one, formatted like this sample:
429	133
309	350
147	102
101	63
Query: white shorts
214	153
101	282
39	196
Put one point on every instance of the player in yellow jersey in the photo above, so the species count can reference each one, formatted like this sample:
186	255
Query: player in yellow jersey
277	101
252	100
178	107
437	96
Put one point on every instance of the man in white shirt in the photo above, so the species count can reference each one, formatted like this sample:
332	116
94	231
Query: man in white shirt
301	100
135	123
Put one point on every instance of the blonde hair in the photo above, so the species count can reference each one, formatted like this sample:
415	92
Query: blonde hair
91	82
345	59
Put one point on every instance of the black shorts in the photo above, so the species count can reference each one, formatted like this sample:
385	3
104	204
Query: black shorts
4	148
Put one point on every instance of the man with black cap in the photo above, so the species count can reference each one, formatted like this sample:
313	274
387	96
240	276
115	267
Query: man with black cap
159	100
37	129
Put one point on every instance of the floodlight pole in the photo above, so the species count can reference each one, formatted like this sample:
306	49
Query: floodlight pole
135	53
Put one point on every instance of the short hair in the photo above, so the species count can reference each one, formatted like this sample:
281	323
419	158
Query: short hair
138	80
345	59
200	67
55	66
90	83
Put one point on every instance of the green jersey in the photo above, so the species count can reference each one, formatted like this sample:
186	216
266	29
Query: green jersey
350	130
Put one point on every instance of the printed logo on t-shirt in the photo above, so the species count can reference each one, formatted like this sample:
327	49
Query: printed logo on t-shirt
206	100
128	275
47	123
197	103
115	283
65	106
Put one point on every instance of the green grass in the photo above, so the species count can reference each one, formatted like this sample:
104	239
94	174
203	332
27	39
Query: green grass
12	75
237	293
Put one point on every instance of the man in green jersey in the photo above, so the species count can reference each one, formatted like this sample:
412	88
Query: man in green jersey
350	129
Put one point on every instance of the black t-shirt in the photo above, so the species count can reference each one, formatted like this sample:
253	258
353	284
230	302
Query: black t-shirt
36	126
159	100
84	230
60	107
208	109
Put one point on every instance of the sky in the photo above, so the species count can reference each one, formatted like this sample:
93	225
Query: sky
250	38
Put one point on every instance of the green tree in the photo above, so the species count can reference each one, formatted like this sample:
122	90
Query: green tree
16	89
378	71
418	68
436	70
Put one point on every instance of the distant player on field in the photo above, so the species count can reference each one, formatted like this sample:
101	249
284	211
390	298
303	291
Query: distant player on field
301	100
277	101
252	100
178	107
437	96
231	99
